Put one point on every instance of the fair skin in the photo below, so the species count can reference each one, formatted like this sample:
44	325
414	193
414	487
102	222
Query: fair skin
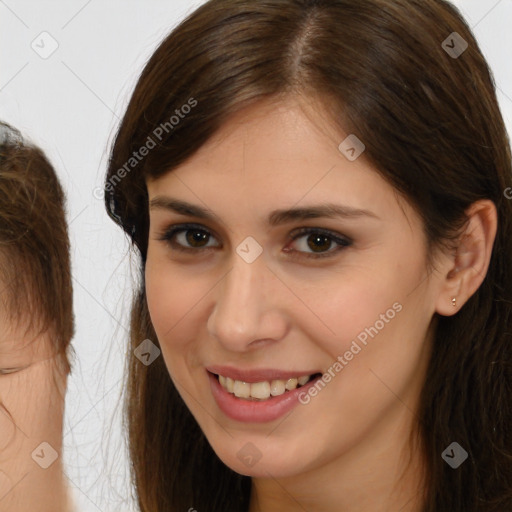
32	388
346	449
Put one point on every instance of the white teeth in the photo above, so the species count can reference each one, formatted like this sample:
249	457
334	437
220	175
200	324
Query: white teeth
261	390
291	384
277	387
242	389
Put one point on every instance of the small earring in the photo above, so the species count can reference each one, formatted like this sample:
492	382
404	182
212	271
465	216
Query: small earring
454	300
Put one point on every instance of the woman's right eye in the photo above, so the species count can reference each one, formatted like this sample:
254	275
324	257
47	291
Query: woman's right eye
188	237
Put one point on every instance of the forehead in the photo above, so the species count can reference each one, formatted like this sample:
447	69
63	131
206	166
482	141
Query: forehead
275	154
20	344
279	133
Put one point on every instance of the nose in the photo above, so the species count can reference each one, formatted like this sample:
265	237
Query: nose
249	307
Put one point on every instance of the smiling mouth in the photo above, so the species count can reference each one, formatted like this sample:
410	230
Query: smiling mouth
264	390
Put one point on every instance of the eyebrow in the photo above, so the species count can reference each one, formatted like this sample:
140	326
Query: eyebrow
275	218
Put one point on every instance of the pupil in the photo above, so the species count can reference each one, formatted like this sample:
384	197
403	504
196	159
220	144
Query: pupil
317	239
198	236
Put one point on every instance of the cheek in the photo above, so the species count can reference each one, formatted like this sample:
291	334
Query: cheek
372	318
348	303
174	299
35	409
166	295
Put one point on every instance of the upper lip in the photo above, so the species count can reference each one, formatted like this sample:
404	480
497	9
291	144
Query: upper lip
258	374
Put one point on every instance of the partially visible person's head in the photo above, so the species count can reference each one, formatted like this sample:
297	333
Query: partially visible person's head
36	323
35	291
242	111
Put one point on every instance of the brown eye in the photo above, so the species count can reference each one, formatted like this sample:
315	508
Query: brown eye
319	241
188	238
198	237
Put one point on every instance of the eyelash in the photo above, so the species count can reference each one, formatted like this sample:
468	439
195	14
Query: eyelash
9	371
342	242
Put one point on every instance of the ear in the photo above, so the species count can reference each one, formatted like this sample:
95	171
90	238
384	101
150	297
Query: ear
468	268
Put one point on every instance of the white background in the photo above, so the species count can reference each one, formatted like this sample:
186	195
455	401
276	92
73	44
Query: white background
70	104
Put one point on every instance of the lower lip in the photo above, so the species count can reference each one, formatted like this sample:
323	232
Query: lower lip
253	411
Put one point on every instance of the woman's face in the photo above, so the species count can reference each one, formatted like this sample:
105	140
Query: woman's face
243	297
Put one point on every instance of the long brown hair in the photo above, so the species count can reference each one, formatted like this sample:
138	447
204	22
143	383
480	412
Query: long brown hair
432	127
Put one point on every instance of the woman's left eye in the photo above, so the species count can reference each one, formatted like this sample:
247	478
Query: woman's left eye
316	238
194	238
